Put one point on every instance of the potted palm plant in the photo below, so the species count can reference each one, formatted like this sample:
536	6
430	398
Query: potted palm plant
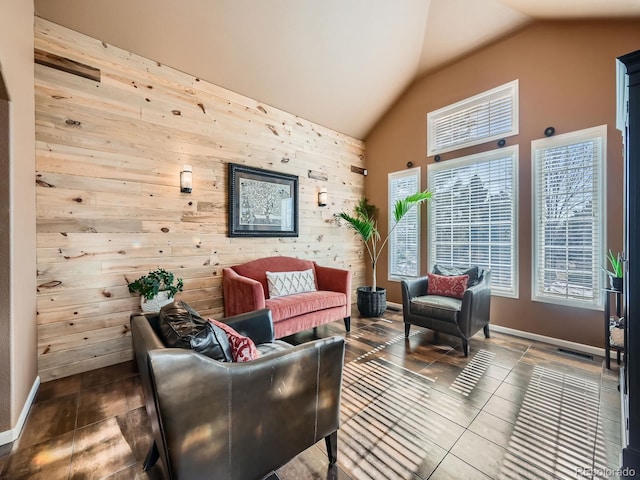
156	289
372	300
615	274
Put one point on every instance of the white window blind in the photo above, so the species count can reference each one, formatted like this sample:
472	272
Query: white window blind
568	217
484	117
404	242
472	215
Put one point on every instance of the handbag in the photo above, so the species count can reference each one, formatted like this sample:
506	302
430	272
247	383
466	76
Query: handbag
182	327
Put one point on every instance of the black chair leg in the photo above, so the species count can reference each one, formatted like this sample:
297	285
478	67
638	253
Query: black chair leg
332	447
407	327
347	323
465	347
152	457
487	333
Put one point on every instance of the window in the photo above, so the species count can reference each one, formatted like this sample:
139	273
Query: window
472	215
484	117
404	242
568	219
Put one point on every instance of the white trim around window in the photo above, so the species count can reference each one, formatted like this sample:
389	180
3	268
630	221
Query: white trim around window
490	115
568	218
404	242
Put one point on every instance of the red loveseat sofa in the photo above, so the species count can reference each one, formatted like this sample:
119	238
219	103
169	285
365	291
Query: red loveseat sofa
246	288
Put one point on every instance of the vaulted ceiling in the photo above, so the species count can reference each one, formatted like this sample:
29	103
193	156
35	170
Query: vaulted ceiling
339	63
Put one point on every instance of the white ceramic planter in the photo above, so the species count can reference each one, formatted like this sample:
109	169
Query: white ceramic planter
156	303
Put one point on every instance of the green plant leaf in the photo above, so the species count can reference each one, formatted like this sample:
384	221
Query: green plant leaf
362	226
148	286
403	206
616	264
363	222
365	211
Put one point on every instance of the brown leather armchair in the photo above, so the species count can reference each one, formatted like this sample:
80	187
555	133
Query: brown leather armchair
222	420
459	317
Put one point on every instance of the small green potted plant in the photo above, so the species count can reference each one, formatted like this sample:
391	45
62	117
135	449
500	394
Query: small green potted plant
615	274
372	300
156	289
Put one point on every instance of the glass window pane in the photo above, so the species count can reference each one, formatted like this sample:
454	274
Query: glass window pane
568	205
472	214
404	246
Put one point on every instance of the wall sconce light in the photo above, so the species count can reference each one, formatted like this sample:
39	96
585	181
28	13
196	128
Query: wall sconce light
186	179
322	197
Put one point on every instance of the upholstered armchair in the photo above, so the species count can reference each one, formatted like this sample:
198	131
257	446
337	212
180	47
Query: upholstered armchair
218	419
451	304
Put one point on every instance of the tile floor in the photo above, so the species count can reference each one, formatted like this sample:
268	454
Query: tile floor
412	409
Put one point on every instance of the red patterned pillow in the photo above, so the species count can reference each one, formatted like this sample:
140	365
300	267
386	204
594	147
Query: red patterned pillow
447	286
242	348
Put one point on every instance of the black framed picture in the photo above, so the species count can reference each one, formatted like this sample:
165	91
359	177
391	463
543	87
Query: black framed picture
262	203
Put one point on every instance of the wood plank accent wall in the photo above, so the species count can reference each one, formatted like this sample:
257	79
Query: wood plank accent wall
109	150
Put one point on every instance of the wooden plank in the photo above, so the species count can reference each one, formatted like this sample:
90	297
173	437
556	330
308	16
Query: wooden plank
48	374
102	252
136	239
54	330
88	310
88	337
87	225
66	65
318	175
83	352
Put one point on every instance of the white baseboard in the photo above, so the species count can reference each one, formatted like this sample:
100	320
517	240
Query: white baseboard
9	436
394	306
576	347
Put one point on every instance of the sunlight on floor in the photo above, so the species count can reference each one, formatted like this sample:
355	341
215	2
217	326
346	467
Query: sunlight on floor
472	373
387	408
556	429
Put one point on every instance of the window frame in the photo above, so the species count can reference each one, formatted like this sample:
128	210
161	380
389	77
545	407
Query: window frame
469	160
415	172
510	89
599	134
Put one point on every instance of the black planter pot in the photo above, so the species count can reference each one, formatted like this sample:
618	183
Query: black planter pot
372	303
616	283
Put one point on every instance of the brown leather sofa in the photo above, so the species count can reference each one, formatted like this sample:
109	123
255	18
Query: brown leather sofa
222	420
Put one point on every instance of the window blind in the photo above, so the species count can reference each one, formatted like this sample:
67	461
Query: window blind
404	242
472	215
568	217
487	116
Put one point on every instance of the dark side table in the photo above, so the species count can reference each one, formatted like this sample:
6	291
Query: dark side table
608	346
